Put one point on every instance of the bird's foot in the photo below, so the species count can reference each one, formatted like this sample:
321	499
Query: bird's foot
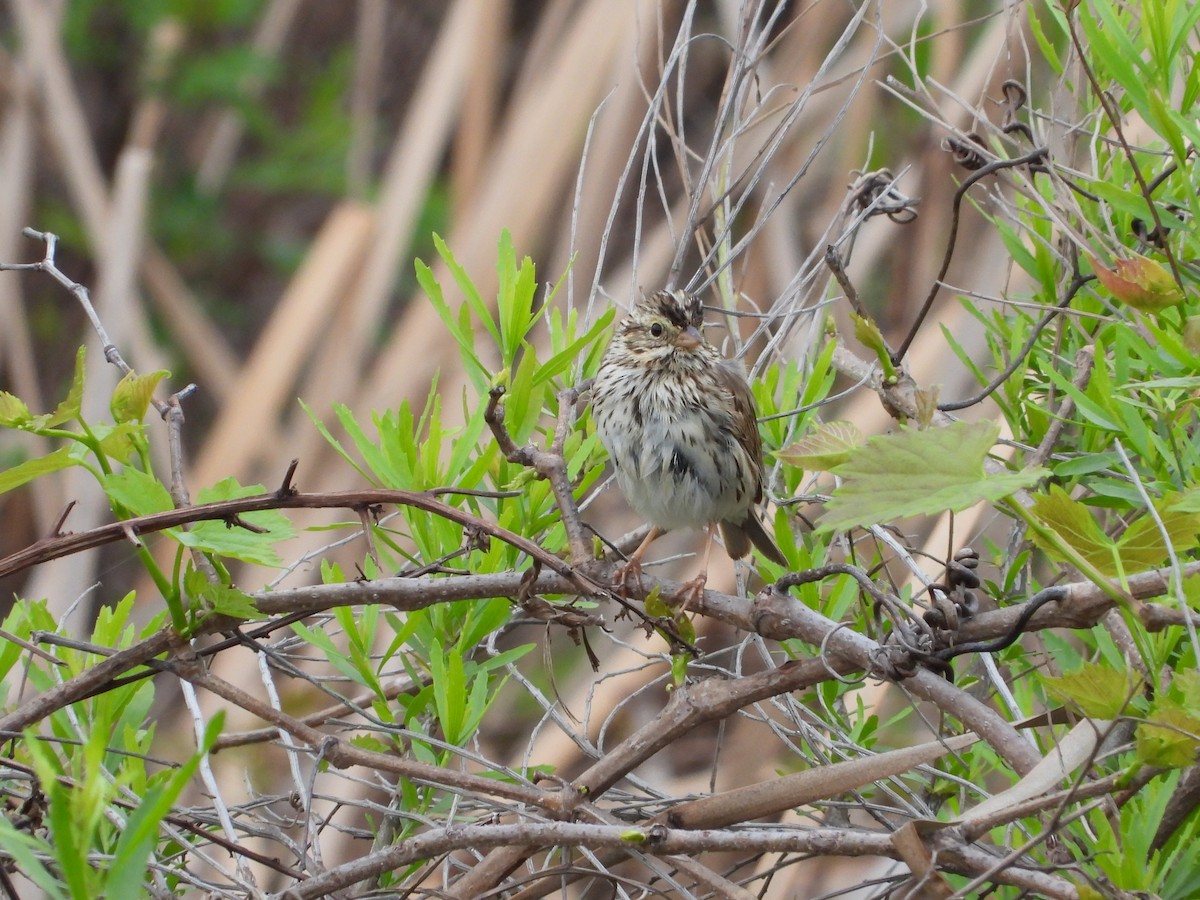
691	592
629	575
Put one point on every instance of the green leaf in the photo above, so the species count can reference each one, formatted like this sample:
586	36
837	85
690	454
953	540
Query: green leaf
1099	691
138	492
128	871
230	539
1142	546
219	598
1168	738
13	411
562	360
1045	44
1186	685
117	442
334	442
1191	334
655	606
467	286
514	299
449	691
70	407
477	704
871	337
131	397
360	627
913	473
1075	524
679	664
18	475
831	445
1085	464
26	850
1188	502
459	325
68	835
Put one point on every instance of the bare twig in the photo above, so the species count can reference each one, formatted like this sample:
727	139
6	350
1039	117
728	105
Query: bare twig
549	464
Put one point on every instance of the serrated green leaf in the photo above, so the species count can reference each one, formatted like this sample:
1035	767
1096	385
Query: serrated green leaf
13	411
831	445
228	489
1188	502
1076	526
117	442
1099	691
1168	738
231	540
138	492
912	473
1143	545
1186	685
131	397
234	542
227	601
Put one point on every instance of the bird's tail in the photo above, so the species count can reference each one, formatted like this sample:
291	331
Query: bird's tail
738	537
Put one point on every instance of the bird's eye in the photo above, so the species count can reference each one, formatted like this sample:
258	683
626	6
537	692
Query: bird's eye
656	329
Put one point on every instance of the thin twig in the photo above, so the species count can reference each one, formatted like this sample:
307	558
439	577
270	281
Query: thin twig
1033	156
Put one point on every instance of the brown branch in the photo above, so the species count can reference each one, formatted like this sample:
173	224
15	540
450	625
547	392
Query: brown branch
657	840
1083	604
405	594
549	464
47	265
343	754
85	683
797	620
65	545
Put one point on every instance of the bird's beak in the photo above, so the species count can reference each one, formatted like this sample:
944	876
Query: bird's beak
689	339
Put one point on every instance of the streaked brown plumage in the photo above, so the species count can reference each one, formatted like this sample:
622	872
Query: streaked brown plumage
679	423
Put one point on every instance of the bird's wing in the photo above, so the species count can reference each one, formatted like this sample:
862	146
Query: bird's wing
732	377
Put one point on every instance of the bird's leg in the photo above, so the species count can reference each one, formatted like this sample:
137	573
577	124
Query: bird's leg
693	590
632	570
